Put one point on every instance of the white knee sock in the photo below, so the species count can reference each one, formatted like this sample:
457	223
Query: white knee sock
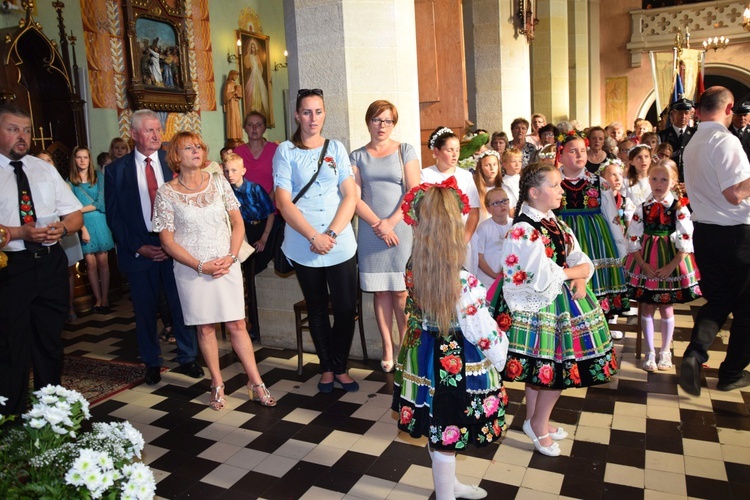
667	330
444	475
647	325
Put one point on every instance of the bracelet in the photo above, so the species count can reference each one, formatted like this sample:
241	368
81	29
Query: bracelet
313	238
200	268
65	231
234	258
329	232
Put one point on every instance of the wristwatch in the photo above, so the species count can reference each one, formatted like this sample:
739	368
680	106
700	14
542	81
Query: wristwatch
65	231
329	232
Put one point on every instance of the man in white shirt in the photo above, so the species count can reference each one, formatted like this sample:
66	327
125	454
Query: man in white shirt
37	208
717	175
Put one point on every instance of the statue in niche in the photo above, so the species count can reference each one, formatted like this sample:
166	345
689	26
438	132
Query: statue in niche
232	96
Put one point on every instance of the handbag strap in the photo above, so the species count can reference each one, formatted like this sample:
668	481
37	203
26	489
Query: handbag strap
217	178
315	175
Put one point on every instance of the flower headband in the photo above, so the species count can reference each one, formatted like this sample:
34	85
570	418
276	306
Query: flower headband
547	156
414	197
638	146
436	136
488	152
572	135
607	162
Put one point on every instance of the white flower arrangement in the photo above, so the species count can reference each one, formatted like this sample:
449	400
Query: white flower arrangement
47	456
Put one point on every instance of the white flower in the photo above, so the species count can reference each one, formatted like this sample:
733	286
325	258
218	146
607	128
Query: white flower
59	430
54	415
37	423
49	399
74	477
93	482
49	389
3	400
36	412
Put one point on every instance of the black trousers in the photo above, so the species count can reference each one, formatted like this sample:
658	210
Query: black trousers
339	282
723	257
33	307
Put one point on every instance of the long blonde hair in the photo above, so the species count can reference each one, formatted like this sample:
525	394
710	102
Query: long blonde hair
438	253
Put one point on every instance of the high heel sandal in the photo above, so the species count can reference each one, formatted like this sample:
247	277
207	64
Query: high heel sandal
266	399
216	403
552	450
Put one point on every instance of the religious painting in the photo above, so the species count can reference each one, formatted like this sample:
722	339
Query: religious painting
158	57
255	69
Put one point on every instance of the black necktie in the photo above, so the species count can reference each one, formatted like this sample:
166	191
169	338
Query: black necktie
25	202
679	135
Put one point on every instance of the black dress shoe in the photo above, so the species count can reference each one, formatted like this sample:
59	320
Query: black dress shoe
743	381
153	375
690	376
191	369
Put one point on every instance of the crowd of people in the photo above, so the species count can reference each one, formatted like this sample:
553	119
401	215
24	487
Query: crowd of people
513	271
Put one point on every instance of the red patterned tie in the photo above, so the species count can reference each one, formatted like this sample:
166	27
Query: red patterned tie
151	183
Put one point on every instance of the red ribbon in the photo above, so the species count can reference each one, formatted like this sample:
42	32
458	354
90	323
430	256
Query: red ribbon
658	212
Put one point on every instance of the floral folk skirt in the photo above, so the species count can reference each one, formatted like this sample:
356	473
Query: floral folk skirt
595	238
563	345
447	390
678	288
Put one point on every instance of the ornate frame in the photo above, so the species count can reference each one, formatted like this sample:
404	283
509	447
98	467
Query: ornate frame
262	42
157	49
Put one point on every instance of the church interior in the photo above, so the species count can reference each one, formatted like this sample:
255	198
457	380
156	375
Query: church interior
81	68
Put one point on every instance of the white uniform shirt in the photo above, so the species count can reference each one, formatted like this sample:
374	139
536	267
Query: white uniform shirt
714	160
50	193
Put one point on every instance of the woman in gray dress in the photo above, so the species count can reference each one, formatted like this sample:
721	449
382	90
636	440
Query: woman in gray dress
384	171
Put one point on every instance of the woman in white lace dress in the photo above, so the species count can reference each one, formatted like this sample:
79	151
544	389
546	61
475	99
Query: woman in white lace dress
190	215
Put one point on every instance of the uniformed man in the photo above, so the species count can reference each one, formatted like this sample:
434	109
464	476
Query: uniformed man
740	122
679	133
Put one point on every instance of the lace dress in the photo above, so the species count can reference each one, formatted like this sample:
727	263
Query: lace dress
555	341
199	223
447	386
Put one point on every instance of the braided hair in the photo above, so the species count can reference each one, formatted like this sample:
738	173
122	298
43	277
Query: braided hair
532	175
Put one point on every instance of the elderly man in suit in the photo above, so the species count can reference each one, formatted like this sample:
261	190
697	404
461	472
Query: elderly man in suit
131	183
679	133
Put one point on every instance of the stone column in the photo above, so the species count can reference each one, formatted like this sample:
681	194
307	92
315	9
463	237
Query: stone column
357	51
549	55
500	65
578	53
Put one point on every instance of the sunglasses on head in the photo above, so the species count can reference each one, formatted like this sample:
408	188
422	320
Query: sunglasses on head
301	93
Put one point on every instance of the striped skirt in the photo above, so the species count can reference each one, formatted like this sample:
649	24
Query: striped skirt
679	287
445	389
595	238
565	344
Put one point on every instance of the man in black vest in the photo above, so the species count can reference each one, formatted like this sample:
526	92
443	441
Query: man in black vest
679	133
740	125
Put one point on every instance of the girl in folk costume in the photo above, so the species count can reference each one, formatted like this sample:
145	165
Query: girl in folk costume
660	266
582	210
447	385
557	332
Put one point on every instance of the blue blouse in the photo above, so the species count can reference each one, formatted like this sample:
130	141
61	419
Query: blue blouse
292	170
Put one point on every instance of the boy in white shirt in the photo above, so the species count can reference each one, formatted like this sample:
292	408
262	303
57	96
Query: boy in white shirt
490	236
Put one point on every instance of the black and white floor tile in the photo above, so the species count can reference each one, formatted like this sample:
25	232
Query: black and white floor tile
638	437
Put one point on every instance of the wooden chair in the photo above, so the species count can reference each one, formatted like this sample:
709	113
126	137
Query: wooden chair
301	322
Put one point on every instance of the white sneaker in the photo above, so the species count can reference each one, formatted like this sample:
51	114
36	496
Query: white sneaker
616	334
650	364
665	361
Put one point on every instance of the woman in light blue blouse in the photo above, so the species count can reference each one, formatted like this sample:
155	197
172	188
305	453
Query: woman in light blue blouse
318	239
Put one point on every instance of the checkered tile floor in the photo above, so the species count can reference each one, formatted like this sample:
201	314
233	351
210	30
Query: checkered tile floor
637	437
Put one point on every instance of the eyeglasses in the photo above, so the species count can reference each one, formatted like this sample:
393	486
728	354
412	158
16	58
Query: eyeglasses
194	147
301	93
378	121
499	203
